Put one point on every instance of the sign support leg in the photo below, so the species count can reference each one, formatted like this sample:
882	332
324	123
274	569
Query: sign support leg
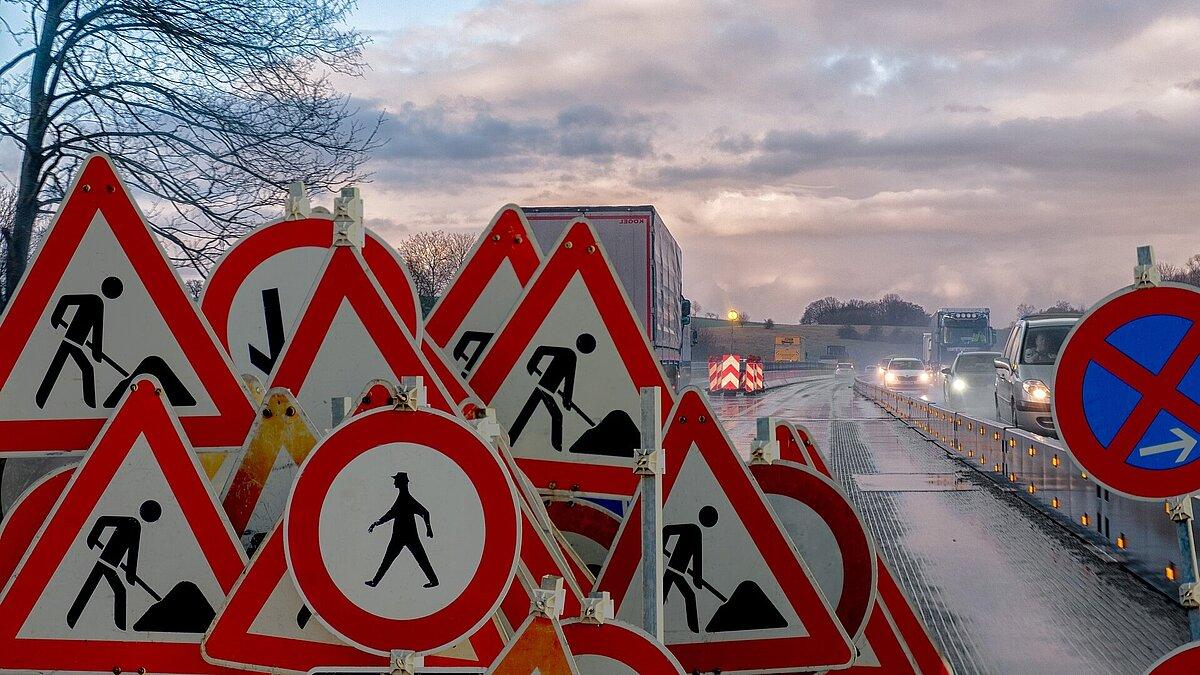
649	468
1183	514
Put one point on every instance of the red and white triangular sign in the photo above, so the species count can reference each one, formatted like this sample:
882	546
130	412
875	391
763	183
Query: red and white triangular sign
265	627
26	516
133	562
895	641
617	648
737	595
347	335
99	306
257	289
485	290
565	371
538	648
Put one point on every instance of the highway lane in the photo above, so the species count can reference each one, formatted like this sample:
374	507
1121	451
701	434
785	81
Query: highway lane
1002	588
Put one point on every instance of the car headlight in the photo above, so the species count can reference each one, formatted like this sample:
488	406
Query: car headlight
890	378
1036	390
958	384
925	376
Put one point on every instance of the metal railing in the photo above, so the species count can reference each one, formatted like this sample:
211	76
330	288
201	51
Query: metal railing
1137	533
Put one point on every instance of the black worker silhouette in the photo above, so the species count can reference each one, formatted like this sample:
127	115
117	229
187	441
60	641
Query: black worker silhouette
404	532
470	347
85	330
183	610
615	434
748	608
85	336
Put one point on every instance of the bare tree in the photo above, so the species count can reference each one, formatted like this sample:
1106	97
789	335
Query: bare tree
194	288
433	258
8	208
1188	274
209	106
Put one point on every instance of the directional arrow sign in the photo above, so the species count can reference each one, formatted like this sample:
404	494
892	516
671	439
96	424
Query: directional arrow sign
1127	391
1183	446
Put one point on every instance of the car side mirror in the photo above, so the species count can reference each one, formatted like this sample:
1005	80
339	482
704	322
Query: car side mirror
1002	364
945	371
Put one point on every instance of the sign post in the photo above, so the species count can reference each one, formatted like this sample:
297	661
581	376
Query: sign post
650	467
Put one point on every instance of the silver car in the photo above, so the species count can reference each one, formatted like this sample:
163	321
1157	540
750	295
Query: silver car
1025	370
970	382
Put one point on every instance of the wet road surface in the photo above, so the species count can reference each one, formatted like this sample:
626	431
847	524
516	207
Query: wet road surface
1002	588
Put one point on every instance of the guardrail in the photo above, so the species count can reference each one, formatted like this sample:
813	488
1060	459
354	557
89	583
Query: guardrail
1137	533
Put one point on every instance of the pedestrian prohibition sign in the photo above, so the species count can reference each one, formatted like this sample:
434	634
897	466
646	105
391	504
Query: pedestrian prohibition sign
1127	391
402	531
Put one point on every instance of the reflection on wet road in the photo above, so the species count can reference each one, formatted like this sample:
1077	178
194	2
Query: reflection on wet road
1002	588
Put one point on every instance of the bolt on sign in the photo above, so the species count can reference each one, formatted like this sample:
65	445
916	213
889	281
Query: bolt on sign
402	531
565	370
485	290
134	560
100	306
737	595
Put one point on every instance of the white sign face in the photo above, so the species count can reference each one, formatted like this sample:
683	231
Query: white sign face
347	359
594	664
100	327
569	397
402	531
266	304
734	594
814	539
484	318
134	572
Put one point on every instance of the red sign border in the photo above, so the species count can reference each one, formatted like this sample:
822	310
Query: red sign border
622	642
1084	343
97	188
577	252
141	413
301	540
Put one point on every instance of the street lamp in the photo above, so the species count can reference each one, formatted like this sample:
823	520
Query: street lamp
735	320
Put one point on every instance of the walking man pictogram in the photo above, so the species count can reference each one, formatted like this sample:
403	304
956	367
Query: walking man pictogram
84	331
404	532
120	554
687	560
558	378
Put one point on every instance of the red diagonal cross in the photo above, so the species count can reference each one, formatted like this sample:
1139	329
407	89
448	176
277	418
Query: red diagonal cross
1159	392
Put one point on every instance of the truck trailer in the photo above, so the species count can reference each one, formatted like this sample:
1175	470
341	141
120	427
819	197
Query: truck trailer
647	260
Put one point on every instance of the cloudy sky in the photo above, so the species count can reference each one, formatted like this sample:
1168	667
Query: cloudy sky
965	153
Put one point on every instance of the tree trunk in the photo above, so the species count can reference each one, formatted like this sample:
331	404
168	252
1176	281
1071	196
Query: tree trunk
33	158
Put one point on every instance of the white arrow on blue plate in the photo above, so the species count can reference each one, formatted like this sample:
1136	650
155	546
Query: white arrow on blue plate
1184	445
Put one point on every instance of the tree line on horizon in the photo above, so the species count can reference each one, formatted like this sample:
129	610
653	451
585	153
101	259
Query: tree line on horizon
890	310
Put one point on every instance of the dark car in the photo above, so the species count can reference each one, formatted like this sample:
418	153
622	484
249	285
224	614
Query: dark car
970	382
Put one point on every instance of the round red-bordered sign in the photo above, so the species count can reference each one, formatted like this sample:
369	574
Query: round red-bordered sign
1183	661
1127	391
341	493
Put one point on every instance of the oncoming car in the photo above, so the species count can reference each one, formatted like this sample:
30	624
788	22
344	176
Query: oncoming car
904	373
1025	370
844	370
970	381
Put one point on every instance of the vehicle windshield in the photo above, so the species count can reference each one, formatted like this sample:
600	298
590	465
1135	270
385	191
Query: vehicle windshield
966	332
905	364
982	362
1042	344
